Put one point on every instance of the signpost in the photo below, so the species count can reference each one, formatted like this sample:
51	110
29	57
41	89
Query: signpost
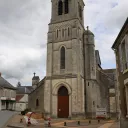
101	113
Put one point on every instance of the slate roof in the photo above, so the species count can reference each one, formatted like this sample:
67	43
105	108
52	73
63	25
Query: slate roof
35	78
18	97
88	32
5	84
98	60
24	89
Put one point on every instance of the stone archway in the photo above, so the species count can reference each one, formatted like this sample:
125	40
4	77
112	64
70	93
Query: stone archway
63	102
55	99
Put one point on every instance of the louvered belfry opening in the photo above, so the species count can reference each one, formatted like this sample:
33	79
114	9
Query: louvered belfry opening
60	7
66	2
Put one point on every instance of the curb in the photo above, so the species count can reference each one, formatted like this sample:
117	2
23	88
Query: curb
10	126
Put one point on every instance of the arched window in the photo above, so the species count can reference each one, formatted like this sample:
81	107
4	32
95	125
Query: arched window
66	6
62	58
37	102
60	7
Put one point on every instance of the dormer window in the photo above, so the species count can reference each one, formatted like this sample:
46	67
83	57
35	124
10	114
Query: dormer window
60	7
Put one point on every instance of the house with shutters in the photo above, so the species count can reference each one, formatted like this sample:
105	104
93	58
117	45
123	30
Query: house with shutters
7	95
120	48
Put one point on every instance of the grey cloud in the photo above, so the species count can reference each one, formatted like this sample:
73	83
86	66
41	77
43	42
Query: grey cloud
23	34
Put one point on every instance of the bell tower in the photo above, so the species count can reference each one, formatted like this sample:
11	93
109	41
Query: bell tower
63	10
65	61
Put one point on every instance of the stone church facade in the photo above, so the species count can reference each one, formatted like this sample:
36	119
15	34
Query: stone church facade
70	88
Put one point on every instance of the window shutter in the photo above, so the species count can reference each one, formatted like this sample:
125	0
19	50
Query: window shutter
120	56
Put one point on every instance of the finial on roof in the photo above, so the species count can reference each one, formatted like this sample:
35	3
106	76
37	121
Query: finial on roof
34	74
87	28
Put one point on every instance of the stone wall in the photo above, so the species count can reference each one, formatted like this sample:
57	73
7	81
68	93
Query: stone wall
75	88
38	93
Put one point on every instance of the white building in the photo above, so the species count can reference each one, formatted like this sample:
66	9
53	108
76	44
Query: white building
22	97
7	95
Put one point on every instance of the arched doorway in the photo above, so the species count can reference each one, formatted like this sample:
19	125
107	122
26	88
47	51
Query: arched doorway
63	102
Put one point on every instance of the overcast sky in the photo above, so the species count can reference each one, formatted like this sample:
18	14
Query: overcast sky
24	27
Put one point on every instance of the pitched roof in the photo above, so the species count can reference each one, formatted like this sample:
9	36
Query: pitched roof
41	83
18	97
5	84
24	89
124	26
98	60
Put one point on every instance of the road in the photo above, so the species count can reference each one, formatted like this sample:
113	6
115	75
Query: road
5	116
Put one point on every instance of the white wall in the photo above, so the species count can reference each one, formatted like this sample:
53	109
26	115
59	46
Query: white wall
24	98
22	104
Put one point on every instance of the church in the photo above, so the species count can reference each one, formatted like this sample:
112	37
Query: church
75	84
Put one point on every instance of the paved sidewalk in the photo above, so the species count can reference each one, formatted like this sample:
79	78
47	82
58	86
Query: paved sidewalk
5	116
107	125
59	123
115	125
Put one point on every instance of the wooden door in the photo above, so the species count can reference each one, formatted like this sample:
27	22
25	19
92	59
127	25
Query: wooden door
63	103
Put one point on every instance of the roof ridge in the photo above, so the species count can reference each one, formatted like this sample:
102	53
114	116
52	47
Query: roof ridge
8	84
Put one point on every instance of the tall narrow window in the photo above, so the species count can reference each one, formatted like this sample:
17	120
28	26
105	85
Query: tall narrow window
57	32
66	6
62	58
37	102
68	31
60	7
